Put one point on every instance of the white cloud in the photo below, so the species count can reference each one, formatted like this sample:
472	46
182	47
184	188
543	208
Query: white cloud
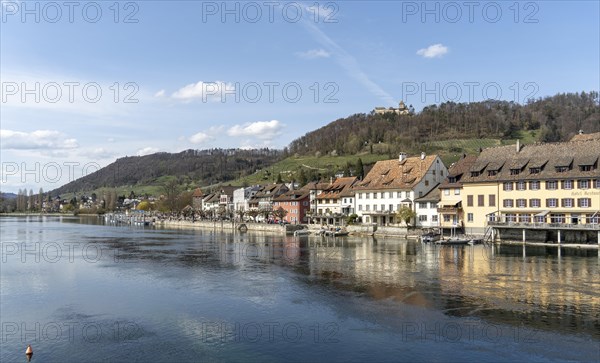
98	153
260	129
160	93
314	53
147	151
213	91
433	51
39	139
200	138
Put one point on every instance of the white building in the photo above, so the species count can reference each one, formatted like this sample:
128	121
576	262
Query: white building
426	208
392	184
241	197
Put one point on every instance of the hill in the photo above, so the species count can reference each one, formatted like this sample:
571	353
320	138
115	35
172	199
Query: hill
557	118
200	166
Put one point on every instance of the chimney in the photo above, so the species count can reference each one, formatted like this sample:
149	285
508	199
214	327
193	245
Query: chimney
518	145
402	157
422	156
331	180
580	132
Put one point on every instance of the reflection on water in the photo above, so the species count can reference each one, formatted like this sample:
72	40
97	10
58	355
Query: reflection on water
171	283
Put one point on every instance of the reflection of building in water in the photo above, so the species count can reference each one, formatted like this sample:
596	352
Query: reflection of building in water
562	290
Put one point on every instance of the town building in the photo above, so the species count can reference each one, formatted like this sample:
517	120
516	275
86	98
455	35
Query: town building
557	183
426	208
450	208
391	184
335	201
296	203
263	199
197	197
242	196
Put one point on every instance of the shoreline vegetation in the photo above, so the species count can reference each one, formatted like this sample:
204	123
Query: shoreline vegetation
400	233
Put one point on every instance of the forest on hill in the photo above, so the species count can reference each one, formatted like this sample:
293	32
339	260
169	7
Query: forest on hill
203	166
557	118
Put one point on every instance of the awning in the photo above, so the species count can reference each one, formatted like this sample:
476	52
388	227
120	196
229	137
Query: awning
542	214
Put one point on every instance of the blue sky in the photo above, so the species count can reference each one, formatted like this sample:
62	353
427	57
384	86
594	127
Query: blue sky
179	65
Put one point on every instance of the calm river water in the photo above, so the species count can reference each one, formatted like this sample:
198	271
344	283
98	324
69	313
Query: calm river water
79	291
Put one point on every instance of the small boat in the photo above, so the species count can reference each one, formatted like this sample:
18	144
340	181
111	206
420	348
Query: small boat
301	232
336	233
459	241
430	237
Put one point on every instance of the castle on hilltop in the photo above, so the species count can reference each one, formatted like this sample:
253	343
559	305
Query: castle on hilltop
401	110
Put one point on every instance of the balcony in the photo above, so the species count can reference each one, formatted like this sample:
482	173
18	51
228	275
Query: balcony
450	210
536	225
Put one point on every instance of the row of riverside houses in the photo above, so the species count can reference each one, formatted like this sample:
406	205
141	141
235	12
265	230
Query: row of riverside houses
541	183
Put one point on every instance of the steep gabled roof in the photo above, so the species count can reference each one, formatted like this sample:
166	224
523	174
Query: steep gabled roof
339	187
462	167
395	174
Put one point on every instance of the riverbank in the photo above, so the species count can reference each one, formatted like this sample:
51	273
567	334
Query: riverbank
222	225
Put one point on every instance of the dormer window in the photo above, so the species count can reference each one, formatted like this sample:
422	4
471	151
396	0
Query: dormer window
492	172
586	167
535	170
515	171
452	179
475	174
562	169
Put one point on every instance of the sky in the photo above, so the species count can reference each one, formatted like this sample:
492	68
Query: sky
85	83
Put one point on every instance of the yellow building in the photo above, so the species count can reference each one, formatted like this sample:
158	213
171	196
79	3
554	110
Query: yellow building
556	183
450	209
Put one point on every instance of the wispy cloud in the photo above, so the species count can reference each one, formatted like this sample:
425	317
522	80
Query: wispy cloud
433	51
266	130
39	139
203	90
200	138
314	54
348	63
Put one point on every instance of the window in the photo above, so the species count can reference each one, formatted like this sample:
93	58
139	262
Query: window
426	183
367	207
469	200
534	185
597	184
359	195
521	203
586	167
567	184
515	171
374	207
567	202
382	207
557	218
584	202
524	218
583	184
446	191
535	203
375	195
508	186
390	195
432	205
540	219
475	174
360	207
492	172
535	170
422	218
510	217
367	195
551	185
552	202
492	200
469	217
422	205
507	203
562	169
382	195
399	194
591	218
446	218
391	207
434	218
457	191
480	200
521	185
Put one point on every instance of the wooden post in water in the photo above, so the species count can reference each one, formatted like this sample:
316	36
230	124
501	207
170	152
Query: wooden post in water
523	235
559	236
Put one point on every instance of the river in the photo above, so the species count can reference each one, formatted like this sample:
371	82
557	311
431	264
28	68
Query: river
78	290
